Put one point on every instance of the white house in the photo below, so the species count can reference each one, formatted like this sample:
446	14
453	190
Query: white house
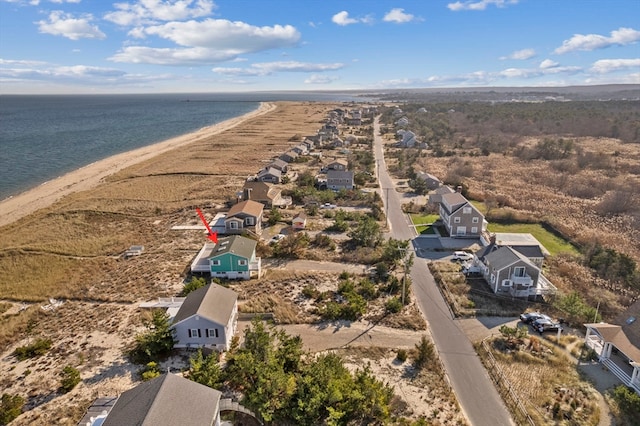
207	318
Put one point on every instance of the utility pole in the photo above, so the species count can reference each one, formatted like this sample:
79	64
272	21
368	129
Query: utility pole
405	262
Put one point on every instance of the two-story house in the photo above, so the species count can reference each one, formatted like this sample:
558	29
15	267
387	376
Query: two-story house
460	217
339	179
232	257
265	193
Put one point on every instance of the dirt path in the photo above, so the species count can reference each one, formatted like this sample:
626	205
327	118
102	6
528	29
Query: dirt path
343	334
314	265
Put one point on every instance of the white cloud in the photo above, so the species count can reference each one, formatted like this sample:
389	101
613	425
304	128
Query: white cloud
227	35
343	19
154	11
49	72
620	37
548	63
267	68
208	41
398	16
320	79
520	54
604	66
537	72
479	5
20	62
64	24
172	56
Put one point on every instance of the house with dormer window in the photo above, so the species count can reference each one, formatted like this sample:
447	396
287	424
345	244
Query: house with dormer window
232	257
244	216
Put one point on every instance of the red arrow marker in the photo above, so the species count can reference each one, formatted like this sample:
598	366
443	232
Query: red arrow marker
213	236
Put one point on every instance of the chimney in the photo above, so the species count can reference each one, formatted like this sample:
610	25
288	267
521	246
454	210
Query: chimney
459	189
246	194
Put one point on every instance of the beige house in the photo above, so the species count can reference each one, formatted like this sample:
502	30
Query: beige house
618	345
265	193
244	216
338	164
460	217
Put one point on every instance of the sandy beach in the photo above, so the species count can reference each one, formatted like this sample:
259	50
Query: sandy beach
87	177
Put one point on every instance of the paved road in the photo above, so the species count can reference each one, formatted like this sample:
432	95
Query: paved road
474	389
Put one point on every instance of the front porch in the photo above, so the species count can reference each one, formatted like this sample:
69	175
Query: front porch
612	357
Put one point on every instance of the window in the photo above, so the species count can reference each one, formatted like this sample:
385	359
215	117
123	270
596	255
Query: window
519	271
474	229
493	278
466	210
212	332
233	225
194	332
215	262
456	220
242	262
506	283
475	220
250	221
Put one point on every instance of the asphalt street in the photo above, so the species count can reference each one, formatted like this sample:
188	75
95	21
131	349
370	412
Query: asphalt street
475	391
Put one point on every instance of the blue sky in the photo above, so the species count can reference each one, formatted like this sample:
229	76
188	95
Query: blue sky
153	46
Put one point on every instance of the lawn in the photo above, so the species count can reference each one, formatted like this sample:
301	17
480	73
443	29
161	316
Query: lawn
553	243
422	219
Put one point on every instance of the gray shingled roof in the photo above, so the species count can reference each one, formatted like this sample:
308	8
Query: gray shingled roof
503	257
236	244
212	302
526	251
167	400
455	200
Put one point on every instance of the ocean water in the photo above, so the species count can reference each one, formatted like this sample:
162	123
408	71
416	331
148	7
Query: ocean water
44	137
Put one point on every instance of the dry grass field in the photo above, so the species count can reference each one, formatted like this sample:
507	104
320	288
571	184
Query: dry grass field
544	379
72	251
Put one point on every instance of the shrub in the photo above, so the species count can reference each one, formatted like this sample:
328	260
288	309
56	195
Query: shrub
158	341
393	305
10	407
310	292
37	348
627	400
70	378
150	371
401	355
193	285
425	353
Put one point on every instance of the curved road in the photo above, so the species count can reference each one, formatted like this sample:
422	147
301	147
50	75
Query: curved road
476	393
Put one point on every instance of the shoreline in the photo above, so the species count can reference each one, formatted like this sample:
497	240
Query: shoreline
89	176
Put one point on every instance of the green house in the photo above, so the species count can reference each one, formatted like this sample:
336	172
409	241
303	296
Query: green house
233	257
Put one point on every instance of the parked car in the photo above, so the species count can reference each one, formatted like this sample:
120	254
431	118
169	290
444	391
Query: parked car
543	324
462	255
530	317
328	206
277	238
